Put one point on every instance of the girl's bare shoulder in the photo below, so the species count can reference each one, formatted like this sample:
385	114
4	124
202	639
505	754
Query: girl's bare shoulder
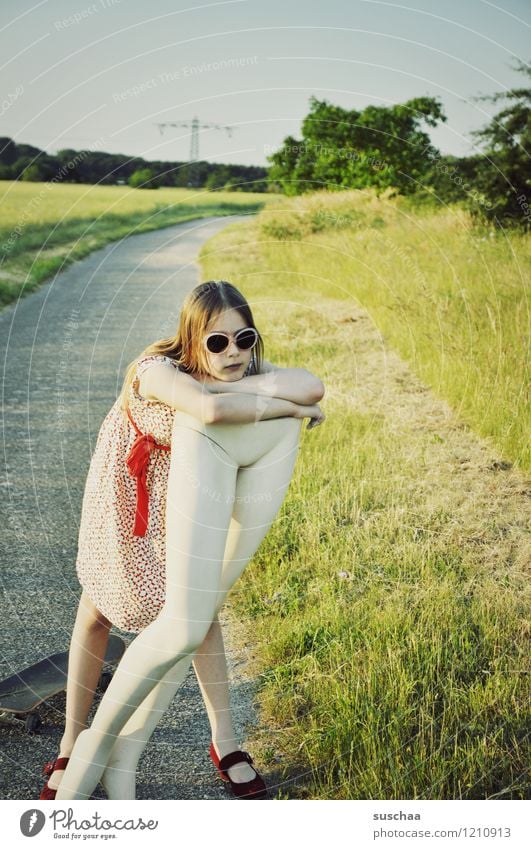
144	366
144	363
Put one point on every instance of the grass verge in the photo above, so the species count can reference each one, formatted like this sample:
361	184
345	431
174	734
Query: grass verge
389	602
44	227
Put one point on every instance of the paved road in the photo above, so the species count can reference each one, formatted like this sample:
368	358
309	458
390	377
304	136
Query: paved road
63	352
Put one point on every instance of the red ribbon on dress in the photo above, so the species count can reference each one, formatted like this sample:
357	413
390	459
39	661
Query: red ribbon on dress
137	463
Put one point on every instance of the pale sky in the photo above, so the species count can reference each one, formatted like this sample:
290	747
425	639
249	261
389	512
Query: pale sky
102	74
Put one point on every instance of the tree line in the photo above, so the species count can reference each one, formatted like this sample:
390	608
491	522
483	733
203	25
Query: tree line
28	163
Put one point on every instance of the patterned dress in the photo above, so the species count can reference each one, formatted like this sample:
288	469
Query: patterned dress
121	570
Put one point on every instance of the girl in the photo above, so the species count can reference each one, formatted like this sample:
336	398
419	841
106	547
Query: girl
202	507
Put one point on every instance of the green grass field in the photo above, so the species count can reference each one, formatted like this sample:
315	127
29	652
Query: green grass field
388	606
46	226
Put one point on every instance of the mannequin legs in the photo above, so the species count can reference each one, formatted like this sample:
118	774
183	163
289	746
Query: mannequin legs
119	778
222	498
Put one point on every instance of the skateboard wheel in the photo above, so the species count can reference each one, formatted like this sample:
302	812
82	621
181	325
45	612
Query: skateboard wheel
105	680
32	723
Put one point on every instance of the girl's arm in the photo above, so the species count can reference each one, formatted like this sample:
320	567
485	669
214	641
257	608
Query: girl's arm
291	384
163	382
239	407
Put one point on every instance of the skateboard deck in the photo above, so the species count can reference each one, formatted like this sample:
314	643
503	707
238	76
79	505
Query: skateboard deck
24	691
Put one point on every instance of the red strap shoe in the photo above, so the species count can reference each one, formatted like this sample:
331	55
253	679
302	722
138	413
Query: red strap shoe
48	769
254	789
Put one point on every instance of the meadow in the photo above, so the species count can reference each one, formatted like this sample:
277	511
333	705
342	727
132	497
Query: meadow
46	226
387	610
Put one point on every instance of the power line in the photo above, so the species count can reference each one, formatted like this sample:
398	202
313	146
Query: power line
194	138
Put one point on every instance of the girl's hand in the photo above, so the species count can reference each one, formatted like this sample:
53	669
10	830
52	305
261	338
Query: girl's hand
311	411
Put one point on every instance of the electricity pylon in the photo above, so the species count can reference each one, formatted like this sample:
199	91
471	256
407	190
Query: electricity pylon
194	139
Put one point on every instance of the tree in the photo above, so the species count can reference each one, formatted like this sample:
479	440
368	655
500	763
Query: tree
143	178
503	173
18	167
382	146
33	174
8	151
217	178
35	169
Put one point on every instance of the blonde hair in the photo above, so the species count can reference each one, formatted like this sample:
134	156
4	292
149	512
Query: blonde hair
201	305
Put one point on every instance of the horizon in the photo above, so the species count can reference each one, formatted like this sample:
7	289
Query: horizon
105	72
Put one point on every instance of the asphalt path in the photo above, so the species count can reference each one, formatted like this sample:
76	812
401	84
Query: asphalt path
64	349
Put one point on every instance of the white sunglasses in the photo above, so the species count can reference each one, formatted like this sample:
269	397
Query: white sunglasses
245	339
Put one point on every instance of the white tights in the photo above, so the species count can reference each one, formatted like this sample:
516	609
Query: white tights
226	484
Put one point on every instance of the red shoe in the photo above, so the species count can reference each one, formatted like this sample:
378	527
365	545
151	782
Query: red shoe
49	768
254	789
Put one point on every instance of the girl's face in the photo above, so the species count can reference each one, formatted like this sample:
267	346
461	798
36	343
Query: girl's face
231	363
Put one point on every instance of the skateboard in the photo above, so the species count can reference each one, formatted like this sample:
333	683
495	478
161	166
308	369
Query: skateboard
23	692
